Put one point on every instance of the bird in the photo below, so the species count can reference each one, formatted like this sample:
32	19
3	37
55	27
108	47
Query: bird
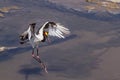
42	35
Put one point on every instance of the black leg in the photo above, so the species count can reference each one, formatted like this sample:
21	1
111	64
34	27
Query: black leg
37	58
33	55
43	66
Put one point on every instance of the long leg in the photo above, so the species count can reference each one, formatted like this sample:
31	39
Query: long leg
38	57
33	55
41	63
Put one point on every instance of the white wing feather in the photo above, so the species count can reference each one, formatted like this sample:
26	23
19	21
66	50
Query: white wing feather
58	30
29	33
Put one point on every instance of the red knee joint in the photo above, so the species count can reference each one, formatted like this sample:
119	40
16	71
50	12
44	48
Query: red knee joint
38	56
33	55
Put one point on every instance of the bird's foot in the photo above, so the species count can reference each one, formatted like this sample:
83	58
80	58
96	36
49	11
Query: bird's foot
43	66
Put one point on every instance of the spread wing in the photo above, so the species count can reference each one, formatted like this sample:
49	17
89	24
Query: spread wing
28	33
54	29
31	30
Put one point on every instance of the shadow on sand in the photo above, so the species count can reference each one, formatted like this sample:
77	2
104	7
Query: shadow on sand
30	71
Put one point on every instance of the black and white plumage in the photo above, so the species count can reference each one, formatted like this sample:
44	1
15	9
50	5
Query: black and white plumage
35	37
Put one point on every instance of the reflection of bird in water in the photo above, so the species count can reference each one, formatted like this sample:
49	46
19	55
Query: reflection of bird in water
48	29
